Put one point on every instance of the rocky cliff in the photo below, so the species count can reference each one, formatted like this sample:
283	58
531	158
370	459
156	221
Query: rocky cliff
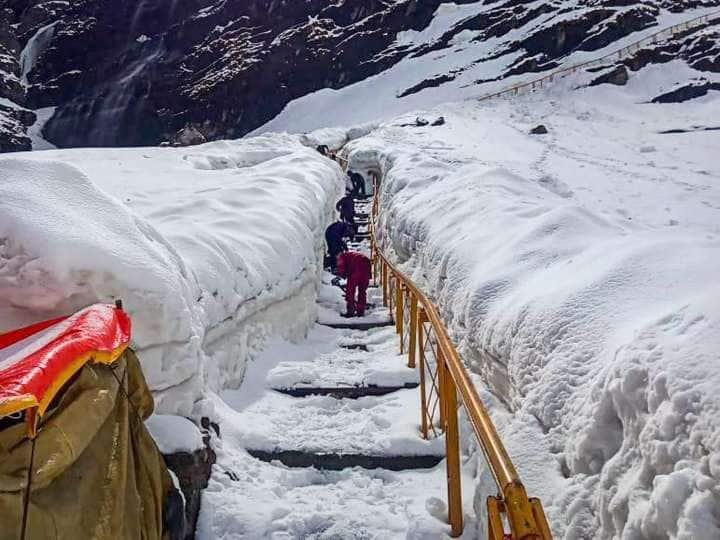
135	72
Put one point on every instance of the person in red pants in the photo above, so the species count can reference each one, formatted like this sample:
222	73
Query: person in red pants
357	269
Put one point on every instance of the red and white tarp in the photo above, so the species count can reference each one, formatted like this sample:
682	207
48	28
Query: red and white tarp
36	361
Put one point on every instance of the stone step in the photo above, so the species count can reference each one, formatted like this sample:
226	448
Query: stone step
279	426
344	392
343	370
338	462
355	347
363	326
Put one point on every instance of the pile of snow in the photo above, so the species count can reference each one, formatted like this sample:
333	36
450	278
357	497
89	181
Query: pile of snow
578	272
212	249
174	434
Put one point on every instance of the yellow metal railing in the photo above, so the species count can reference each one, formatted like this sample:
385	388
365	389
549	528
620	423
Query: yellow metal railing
618	54
443	376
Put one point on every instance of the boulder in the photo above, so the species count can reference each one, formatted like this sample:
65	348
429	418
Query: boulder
188	136
687	92
618	76
193	470
539	130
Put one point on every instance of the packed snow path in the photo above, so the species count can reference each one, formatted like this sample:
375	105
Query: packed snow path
322	440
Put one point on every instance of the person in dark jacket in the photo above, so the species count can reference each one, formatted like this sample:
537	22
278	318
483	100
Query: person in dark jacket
335	236
358	184
346	207
357	269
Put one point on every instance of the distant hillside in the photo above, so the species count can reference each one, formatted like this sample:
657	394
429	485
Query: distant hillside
134	72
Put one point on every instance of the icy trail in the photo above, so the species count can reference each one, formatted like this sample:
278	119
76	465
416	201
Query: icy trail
373	475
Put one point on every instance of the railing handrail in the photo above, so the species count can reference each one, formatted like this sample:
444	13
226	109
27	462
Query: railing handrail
561	72
502	468
525	516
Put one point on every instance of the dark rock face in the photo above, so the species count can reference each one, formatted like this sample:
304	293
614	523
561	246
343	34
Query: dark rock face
136	72
687	92
699	47
13	128
618	76
193	473
14	119
133	72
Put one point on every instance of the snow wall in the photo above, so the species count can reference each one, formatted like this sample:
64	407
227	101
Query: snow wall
593	341
213	249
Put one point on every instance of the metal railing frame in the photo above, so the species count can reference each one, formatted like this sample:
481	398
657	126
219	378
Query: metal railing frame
617	54
443	377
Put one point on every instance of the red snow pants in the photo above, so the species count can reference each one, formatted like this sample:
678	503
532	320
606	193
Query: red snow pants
357	282
357	268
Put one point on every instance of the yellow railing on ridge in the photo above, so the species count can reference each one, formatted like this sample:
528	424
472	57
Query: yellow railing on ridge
618	54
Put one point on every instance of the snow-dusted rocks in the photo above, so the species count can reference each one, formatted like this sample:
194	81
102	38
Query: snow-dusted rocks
211	248
138	74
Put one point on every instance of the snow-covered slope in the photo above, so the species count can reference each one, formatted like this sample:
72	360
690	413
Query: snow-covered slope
473	49
578	272
211	249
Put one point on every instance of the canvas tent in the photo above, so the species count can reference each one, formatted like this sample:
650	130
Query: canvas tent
76	460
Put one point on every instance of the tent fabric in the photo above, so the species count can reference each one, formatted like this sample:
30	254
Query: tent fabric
35	362
97	472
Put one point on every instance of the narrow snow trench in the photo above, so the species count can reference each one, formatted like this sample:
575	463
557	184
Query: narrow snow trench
322	439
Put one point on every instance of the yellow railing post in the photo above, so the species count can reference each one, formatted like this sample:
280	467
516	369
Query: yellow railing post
423	393
442	374
540	518
399	311
384	278
495	526
412	347
391	293
373	263
452	452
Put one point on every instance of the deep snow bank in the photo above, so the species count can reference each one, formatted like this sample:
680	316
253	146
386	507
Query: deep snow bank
212	248
578	273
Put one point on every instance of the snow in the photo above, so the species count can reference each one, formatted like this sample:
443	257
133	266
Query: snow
249	498
577	271
271	501
374	425
35	131
174	434
380	365
35	47
213	249
465	60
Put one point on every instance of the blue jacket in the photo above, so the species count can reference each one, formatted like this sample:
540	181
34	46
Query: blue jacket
335	233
